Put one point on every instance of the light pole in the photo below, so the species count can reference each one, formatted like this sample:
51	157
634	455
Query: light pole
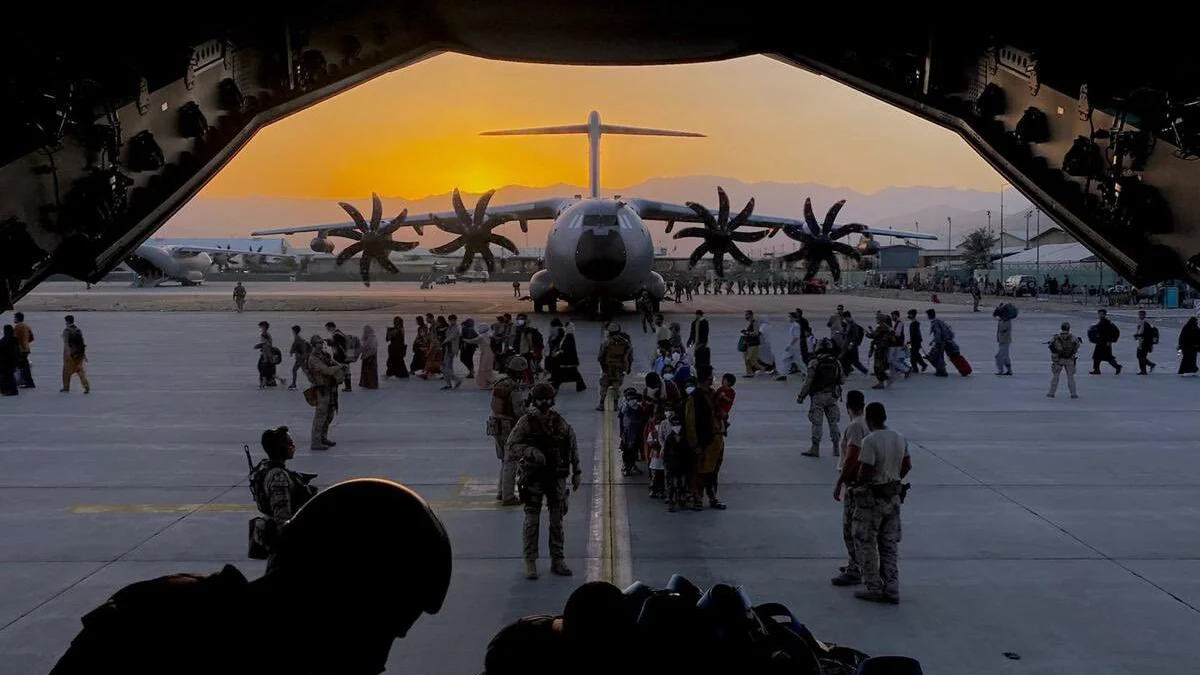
1038	264
1028	215
949	239
1001	234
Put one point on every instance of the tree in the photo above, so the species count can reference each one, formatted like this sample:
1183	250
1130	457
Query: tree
977	249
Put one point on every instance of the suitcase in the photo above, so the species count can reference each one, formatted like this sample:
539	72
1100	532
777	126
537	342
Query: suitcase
960	362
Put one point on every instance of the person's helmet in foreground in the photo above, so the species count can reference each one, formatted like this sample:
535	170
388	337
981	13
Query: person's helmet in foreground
374	530
543	390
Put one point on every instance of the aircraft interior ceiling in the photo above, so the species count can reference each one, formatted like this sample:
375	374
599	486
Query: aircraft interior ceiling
113	116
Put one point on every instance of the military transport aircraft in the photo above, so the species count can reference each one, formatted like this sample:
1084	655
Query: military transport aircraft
599	248
187	264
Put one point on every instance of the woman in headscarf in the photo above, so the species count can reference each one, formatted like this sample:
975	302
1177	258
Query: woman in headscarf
419	348
397	350
676	339
1189	344
9	357
433	347
566	360
369	377
482	339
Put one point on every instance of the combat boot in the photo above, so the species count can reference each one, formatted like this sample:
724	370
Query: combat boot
814	451
560	568
846	579
531	570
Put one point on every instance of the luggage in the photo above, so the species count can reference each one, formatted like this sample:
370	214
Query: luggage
961	364
1005	310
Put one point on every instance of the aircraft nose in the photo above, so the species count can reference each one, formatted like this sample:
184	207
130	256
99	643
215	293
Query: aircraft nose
600	254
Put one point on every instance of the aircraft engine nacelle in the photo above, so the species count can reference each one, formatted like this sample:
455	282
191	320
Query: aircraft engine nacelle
541	287
321	245
656	286
868	246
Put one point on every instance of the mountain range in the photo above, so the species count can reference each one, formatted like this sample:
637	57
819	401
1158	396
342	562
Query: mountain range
912	207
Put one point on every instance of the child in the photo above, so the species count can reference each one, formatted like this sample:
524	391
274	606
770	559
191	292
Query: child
676	461
725	397
657	464
633	422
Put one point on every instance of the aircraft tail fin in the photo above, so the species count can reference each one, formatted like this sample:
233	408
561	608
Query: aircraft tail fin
594	130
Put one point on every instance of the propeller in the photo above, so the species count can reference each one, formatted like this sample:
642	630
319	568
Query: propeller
720	233
373	239
474	232
820	241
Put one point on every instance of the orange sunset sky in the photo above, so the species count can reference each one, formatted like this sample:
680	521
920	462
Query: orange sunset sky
414	132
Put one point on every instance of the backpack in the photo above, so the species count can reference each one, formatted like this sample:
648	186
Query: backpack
1094	333
1151	334
616	354
856	334
75	341
1005	310
276	356
1033	127
1064	348
353	348
826	374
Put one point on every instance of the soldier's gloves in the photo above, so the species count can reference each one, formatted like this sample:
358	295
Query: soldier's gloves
575	482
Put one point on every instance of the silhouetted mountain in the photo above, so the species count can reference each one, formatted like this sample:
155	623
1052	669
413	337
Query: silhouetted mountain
897	207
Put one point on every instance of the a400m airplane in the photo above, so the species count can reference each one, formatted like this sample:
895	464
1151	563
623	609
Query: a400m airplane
599	249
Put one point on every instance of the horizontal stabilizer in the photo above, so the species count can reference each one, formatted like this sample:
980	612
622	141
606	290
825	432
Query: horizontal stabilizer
639	131
540	131
583	129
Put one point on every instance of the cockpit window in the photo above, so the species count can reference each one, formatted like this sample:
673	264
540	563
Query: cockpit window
626	221
598	220
575	222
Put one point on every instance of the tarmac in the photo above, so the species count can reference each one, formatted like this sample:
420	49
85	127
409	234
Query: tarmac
1059	532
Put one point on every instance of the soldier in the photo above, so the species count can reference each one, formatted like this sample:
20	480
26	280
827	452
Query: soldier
882	464
616	360
546	446
278	491
824	386
1064	348
325	374
239	296
355	569
508	403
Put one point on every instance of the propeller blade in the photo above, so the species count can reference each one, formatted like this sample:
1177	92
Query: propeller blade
451	227
774	231
468	256
719	263
449	247
810	219
395	224
481	207
504	242
700	252
524	226
376	212
705	215
831	216
459	209
402	246
811	267
348	252
747	237
722	207
364	268
387	264
795	255
356	216
489	260
846	249
835	270
742	216
348	234
691	232
844	230
736	254
670	226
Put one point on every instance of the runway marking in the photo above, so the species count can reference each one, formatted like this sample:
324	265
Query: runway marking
477	487
609	557
620	554
599	566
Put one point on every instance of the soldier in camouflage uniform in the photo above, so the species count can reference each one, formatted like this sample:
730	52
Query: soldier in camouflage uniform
616	360
326	376
508	403
882	464
548	454
824	387
1064	349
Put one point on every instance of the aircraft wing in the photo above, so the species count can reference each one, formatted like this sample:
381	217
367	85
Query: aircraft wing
653	210
226	251
542	209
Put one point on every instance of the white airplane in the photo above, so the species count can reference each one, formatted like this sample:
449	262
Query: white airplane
185	264
599	248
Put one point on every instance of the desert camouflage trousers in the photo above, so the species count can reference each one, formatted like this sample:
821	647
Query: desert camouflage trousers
556	504
611	377
823	406
876	532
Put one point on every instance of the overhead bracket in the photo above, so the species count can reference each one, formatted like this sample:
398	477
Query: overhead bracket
1031	72
143	97
189	75
1084	106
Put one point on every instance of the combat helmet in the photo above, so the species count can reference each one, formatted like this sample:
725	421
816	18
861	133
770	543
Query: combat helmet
518	363
543	390
371	529
825	346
